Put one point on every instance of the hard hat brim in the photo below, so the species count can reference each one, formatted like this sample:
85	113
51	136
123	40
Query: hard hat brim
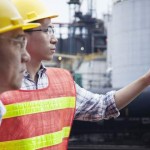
27	26
54	16
24	26
42	16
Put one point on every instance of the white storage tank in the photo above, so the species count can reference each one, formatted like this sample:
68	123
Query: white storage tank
93	73
129	40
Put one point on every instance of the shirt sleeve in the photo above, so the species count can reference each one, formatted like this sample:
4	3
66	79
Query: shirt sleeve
94	107
2	111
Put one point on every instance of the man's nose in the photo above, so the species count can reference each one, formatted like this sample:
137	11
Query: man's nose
53	40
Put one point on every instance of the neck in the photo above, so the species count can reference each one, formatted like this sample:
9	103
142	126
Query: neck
3	89
4	85
32	68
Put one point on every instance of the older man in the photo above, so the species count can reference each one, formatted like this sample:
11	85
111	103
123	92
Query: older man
13	55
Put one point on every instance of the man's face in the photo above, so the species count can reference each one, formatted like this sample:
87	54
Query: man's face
41	41
13	58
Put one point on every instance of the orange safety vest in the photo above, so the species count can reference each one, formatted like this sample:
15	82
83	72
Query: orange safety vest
39	119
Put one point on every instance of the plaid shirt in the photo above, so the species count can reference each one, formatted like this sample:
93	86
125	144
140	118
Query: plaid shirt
89	106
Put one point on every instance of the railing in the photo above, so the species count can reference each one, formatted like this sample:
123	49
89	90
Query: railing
107	147
93	80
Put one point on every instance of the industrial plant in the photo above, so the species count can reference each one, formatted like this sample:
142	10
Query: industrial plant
107	54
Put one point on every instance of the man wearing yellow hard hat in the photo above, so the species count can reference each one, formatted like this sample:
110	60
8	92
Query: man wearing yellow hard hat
13	55
49	99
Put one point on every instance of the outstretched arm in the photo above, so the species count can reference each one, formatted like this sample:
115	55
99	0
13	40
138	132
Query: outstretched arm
125	95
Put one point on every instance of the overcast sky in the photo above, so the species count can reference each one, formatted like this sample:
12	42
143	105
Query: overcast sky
62	8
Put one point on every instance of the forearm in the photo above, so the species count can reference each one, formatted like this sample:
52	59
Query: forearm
125	95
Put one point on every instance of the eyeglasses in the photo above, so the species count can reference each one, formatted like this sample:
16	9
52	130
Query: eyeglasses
21	39
49	30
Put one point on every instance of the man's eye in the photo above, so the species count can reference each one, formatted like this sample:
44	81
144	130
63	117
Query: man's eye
21	38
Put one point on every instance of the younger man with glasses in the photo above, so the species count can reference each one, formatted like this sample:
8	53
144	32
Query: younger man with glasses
45	107
13	54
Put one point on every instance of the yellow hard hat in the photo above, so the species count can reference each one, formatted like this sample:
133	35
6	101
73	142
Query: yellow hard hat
10	18
32	10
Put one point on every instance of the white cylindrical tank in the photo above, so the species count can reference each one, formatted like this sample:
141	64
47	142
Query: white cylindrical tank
129	41
93	73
